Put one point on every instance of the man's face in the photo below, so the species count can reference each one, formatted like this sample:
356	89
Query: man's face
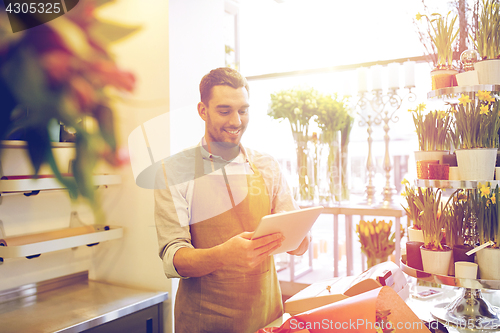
226	115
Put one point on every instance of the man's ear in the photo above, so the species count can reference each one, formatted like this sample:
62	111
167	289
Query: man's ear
202	111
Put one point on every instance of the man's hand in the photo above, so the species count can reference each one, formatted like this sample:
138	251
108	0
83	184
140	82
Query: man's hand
302	247
244	252
239	250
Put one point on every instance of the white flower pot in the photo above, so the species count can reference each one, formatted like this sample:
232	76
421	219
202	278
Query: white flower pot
488	71
469	78
415	235
423	155
477	163
488	261
436	262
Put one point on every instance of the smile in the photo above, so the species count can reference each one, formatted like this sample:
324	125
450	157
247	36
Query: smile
233	132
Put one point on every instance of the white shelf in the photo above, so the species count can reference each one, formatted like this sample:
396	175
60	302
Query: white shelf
452	92
103	233
28	185
455	184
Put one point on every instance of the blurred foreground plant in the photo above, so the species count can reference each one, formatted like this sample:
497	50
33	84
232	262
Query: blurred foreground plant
61	72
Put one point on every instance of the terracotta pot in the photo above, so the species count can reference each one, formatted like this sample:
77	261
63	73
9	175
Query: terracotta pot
425	155
443	78
436	262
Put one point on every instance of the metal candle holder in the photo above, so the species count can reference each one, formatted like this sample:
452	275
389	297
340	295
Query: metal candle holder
384	107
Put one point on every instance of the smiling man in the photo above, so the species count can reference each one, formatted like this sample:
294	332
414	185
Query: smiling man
205	222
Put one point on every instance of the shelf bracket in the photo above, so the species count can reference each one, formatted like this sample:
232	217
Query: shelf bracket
2	235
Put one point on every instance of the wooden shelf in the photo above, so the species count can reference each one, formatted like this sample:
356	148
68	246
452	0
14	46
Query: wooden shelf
29	185
102	233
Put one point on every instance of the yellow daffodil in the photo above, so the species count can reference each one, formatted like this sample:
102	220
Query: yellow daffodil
483	95
494	199
461	196
421	107
485	190
464	99
405	182
484	109
418	17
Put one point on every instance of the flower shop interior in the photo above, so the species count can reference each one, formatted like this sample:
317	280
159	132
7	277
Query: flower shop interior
369	108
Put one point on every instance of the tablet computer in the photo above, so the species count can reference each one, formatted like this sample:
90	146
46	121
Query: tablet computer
294	225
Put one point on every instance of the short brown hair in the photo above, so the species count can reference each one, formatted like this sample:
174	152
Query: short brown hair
223	76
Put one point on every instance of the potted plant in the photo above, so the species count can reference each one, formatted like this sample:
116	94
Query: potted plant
441	31
436	257
412	194
455	227
485	205
298	105
486	38
476	125
433	132
377	242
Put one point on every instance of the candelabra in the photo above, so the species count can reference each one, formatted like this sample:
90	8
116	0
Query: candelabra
384	107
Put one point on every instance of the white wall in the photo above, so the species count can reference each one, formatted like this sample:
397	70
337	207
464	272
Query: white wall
196	47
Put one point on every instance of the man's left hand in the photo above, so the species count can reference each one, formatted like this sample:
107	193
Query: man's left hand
302	247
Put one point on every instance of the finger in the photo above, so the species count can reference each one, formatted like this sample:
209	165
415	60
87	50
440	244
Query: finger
246	234
264	240
268	248
271	250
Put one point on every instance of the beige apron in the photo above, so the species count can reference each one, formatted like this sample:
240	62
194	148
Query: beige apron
229	299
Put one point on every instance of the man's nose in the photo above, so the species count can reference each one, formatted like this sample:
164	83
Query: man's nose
235	119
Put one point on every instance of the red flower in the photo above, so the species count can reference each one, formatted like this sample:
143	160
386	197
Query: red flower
83	92
109	73
57	64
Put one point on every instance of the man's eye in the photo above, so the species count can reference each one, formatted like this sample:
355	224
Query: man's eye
245	111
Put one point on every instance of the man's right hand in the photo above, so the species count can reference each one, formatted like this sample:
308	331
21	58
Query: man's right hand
243	251
240	251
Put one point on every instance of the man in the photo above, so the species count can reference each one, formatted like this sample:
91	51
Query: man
215	196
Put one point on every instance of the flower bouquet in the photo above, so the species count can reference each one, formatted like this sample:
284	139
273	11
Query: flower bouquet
298	106
333	116
377	242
